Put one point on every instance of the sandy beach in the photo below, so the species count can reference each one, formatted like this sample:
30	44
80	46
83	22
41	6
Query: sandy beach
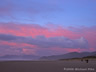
47	66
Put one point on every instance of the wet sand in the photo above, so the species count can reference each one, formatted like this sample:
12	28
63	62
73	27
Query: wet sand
47	66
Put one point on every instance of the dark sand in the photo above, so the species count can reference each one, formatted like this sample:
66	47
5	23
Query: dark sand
46	66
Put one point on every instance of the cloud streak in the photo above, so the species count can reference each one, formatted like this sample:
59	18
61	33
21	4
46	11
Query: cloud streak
43	42
35	30
41	38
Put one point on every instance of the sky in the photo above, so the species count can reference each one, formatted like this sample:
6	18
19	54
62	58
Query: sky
47	27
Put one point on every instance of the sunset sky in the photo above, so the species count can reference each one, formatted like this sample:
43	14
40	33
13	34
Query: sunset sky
47	27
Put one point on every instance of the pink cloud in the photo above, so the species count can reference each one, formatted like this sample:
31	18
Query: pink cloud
29	51
19	48
34	30
18	45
